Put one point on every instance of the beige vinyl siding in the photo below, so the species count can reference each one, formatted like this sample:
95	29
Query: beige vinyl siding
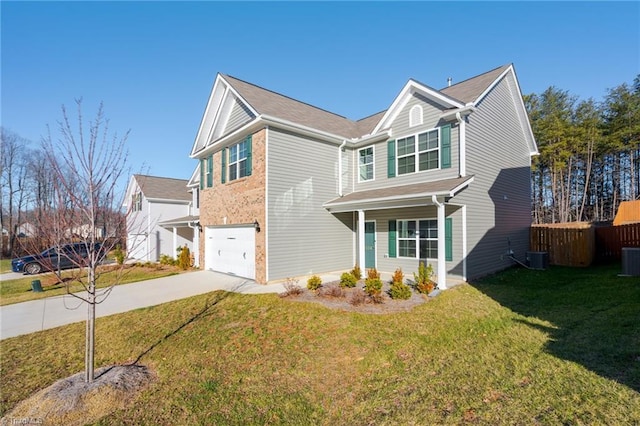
400	128
386	264
303	237
238	116
499	199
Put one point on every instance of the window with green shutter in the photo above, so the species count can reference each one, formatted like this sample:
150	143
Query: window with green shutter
391	159
448	239
210	171
240	159
202	168
445	151
223	172
392	238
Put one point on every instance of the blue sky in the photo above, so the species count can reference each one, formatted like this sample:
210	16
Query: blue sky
153	63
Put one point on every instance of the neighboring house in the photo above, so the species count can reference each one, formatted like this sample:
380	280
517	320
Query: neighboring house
443	176
26	229
159	217
628	212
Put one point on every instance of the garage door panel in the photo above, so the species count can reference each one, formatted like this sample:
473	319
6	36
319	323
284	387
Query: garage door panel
231	250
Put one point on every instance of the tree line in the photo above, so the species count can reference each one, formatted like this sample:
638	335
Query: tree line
589	157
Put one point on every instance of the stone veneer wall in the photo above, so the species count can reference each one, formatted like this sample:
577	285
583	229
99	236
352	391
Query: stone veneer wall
240	201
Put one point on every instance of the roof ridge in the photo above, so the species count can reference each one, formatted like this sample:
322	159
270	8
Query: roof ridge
371	115
157	177
475	76
287	97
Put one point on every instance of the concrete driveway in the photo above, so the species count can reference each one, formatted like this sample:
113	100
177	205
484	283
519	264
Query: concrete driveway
50	312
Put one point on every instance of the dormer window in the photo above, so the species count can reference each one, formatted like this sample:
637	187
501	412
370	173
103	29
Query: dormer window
415	116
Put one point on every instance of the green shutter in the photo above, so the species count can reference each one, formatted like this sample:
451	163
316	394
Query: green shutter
448	239
202	173
391	159
210	171
224	165
249	155
445	146
392	238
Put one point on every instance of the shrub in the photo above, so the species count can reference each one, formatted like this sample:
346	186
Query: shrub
399	290
331	291
423	282
291	288
373	274
184	258
398	276
357	273
373	286
118	255
358	297
165	259
314	282
347	280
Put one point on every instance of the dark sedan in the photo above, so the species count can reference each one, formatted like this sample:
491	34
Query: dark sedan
62	257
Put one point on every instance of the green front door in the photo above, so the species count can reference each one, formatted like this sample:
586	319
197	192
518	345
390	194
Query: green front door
369	244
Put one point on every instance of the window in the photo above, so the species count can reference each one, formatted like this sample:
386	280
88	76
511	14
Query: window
365	164
426	145
236	161
136	202
418	238
209	171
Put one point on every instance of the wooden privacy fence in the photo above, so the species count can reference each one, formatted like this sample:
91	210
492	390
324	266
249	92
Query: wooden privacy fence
579	244
567	244
611	239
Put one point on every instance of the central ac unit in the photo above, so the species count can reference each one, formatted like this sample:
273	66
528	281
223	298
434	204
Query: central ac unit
538	259
631	261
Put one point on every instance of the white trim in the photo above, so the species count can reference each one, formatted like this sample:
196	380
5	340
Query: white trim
416	238
237	95
361	258
442	260
416	152
410	88
340	171
266	201
373	163
464	242
462	138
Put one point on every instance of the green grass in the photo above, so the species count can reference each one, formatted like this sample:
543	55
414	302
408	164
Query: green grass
5	265
19	290
522	347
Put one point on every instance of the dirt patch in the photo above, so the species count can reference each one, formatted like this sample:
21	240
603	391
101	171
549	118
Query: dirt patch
326	296
71	401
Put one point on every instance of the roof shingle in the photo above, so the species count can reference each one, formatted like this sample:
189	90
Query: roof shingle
163	188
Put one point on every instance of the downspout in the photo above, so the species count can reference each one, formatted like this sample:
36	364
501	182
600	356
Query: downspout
442	266
340	148
462	155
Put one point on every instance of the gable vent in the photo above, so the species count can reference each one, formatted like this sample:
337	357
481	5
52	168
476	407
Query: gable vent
415	116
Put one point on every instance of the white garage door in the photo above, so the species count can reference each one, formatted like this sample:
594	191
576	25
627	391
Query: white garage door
231	250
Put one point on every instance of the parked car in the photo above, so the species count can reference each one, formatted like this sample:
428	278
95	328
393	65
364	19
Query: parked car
60	257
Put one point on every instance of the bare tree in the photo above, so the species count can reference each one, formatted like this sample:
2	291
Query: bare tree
88	166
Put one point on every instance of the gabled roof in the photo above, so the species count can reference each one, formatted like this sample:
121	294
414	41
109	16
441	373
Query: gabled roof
267	102
468	91
628	212
162	188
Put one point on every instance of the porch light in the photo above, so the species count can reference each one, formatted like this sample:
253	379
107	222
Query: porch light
256	225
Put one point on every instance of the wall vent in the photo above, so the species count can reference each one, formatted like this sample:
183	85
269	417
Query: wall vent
631	261
538	259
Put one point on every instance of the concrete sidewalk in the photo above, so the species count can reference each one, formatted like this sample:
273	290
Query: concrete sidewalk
50	312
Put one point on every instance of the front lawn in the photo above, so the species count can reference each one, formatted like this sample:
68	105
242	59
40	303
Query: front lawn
19	290
5	265
522	347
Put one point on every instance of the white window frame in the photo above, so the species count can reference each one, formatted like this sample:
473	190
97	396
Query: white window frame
416	151
207	171
136	201
238	162
372	164
417	238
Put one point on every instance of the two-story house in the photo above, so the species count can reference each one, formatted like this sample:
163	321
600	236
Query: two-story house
288	189
160	217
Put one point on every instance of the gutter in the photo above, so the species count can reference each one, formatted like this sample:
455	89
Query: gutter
340	149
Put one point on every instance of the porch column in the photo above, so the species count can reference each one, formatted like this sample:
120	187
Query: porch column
175	242
442	265
196	247
361	239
